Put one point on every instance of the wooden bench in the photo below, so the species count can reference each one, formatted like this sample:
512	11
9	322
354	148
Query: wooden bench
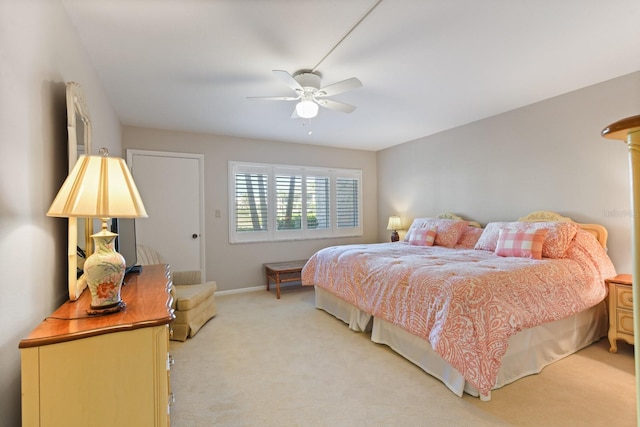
283	272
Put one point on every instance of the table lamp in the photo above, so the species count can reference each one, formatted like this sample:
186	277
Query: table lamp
394	224
101	187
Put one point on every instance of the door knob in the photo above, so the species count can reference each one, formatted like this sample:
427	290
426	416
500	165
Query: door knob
194	236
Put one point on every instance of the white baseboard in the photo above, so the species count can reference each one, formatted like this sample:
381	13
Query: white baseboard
262	288
242	290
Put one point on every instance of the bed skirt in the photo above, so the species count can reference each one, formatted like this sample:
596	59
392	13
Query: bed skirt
528	353
357	319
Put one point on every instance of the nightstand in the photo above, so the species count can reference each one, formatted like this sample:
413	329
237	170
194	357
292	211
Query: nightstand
620	310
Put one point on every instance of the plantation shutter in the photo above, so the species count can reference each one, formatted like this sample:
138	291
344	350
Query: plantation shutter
318	203
251	202
289	202
347	202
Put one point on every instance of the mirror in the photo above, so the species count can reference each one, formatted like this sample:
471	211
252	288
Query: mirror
80	229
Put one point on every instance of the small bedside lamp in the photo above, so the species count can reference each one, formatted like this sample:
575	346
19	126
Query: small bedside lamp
101	187
394	224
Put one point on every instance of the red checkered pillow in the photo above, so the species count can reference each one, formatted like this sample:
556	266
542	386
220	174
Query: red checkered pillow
422	236
523	243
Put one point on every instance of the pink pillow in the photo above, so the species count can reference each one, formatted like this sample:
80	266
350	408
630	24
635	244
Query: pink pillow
469	238
558	238
449	230
586	247
489	238
523	244
422	236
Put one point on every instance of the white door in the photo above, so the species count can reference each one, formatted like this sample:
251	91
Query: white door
171	187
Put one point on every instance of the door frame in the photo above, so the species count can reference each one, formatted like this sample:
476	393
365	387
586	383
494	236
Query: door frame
200	158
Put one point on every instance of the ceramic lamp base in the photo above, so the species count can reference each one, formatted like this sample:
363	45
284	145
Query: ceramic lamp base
395	237
104	271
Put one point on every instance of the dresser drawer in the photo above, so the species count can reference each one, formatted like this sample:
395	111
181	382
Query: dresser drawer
621	324
624	297
624	321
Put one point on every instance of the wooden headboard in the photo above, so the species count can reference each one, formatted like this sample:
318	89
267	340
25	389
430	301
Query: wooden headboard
597	230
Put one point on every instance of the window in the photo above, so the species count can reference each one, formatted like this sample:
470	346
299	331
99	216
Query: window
280	202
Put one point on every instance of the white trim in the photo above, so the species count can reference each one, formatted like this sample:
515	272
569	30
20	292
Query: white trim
241	291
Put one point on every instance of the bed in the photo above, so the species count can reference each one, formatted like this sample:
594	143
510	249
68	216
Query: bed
476	308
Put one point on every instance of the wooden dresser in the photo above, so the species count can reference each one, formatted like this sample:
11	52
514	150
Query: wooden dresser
112	370
620	310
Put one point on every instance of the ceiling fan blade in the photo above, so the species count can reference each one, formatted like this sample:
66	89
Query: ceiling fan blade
275	98
339	87
335	105
288	79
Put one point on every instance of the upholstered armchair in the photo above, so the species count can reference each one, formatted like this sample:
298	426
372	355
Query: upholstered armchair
193	301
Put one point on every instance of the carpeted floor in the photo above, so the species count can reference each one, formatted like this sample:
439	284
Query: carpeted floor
268	362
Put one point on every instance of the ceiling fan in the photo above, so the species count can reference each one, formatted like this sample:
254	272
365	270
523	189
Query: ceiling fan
307	86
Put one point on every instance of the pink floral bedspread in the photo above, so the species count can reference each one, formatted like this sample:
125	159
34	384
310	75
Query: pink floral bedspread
465	303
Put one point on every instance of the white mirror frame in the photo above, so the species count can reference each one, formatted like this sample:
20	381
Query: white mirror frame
77	111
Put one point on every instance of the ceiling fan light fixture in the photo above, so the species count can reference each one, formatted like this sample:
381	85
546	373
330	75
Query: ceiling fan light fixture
307	109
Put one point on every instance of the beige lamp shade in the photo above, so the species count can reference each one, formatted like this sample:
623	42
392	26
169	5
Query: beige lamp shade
394	223
98	187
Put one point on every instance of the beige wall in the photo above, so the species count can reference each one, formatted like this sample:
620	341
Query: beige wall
240	265
546	156
39	52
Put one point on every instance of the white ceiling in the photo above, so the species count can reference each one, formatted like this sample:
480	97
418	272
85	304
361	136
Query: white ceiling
426	65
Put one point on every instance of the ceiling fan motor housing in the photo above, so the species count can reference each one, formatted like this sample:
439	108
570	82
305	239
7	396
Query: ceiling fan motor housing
310	95
308	80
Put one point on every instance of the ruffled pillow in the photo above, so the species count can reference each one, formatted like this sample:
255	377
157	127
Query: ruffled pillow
523	244
585	248
469	238
558	238
422	236
489	238
449	230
